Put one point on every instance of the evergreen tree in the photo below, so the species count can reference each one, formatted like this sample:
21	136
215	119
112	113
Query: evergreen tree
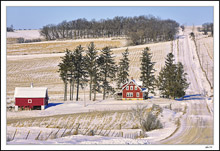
80	69
107	70
123	69
71	75
170	74
181	81
161	83
147	71
171	80
63	70
96	81
92	68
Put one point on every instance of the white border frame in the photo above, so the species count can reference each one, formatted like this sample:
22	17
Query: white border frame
215	4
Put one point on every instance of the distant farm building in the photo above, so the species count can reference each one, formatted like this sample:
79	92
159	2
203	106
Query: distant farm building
131	91
31	97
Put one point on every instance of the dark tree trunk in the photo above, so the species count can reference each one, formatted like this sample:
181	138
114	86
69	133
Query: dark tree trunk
72	89
65	91
90	88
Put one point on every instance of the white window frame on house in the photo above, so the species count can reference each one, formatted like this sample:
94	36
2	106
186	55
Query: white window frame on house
129	94
131	87
135	87
29	100
137	94
127	87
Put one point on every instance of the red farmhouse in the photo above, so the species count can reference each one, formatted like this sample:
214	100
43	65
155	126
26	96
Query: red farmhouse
31	97
132	91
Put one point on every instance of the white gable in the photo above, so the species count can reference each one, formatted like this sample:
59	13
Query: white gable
132	81
27	92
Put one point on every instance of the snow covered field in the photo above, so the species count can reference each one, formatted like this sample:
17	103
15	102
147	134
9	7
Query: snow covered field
69	107
115	121
41	69
26	34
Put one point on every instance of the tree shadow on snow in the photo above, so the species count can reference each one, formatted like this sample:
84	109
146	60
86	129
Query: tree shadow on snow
52	104
191	97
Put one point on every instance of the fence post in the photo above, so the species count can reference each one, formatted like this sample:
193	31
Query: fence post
63	132
14	134
49	135
78	126
27	134
71	130
38	136
56	132
121	134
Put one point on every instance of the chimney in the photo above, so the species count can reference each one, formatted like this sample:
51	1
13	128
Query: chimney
32	85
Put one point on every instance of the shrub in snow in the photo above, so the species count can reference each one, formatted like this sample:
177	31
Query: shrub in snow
151	123
139	113
157	109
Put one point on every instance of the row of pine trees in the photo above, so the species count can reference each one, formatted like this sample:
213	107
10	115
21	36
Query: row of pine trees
81	67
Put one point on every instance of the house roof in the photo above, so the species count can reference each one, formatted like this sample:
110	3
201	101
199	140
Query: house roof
28	92
138	84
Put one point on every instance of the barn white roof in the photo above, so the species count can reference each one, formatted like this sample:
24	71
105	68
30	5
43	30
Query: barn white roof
28	92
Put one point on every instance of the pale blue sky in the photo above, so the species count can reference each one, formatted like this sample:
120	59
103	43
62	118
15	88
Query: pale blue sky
36	17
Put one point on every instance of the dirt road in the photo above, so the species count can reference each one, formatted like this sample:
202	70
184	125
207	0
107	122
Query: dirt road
196	126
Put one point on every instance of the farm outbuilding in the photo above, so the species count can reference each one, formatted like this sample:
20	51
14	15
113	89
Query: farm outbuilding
133	91
31	97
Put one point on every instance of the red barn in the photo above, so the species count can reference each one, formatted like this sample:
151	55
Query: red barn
31	97
132	91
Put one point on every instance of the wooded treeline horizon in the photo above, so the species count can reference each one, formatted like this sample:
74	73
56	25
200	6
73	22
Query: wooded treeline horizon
139	29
